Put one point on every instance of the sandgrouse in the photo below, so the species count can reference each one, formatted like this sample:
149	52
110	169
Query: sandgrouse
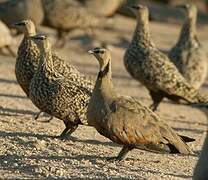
188	54
146	63
124	120
65	98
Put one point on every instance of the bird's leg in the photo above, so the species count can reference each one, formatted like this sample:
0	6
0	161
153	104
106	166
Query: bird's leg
61	38
157	98
69	129
122	154
38	115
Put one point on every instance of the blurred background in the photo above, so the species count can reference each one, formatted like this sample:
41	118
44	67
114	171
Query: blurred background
62	18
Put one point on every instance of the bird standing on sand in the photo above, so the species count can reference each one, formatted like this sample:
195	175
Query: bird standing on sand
152	68
66	98
29	57
67	15
188	54
124	120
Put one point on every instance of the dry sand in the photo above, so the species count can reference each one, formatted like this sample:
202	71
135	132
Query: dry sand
28	149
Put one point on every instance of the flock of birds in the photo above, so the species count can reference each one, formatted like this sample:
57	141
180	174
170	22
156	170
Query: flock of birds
59	89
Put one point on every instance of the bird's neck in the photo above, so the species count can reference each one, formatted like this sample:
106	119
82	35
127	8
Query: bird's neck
141	35
188	31
30	33
104	86
46	62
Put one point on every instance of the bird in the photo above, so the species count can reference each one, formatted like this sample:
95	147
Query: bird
6	40
67	15
65	98
146	63
188	54
28	58
105	8
12	11
124	120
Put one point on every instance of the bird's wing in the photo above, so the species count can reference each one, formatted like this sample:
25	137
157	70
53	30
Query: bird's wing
139	125
168	78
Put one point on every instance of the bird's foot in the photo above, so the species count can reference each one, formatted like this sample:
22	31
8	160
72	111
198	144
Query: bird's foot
115	159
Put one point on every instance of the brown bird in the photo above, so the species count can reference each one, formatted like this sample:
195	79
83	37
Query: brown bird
146	63
124	120
64	97
29	57
188	54
67	15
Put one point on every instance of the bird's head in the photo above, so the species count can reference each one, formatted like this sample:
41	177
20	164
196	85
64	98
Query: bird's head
26	26
141	12
102	55
42	42
190	9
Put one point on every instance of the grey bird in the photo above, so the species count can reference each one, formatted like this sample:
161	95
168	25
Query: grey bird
125	121
12	11
65	98
146	63
188	54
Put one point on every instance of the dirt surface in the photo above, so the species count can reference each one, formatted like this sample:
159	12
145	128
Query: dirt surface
29	149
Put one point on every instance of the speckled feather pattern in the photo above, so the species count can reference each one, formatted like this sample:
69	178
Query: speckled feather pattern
28	61
189	56
63	97
154	69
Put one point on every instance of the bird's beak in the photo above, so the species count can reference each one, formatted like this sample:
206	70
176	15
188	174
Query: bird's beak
91	51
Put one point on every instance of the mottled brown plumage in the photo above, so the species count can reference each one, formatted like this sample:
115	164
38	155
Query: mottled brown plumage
63	97
188	54
152	68
124	120
29	57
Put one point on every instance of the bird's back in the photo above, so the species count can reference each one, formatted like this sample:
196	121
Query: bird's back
130	123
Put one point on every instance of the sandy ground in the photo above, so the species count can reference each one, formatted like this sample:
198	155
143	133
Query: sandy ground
28	149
